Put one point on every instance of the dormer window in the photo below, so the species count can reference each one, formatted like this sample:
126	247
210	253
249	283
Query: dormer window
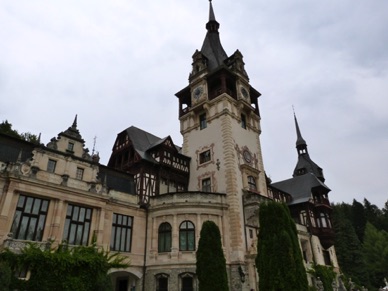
51	166
79	174
70	147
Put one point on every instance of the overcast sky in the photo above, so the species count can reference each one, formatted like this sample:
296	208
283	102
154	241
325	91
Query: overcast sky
119	63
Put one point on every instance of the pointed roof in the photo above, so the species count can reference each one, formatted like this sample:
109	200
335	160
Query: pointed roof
143	141
305	164
72	132
299	141
299	187
211	47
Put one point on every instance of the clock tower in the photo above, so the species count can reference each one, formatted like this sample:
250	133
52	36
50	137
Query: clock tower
220	123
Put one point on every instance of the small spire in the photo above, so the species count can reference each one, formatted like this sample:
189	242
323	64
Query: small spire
299	141
75	122
212	17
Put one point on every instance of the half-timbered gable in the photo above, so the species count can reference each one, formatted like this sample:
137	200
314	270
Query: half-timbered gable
156	163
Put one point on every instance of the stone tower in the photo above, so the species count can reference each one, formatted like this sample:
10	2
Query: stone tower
220	123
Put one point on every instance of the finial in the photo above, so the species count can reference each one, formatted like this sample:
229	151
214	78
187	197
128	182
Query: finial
75	122
212	17
94	144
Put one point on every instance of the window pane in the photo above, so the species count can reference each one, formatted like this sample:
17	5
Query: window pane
21	201
182	241
28	206
191	240
36	207
31	229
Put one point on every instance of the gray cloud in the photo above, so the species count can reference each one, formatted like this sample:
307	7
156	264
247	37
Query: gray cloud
119	63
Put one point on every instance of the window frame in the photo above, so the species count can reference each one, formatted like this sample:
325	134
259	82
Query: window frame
252	185
122	232
72	222
164	238
206	184
187	236
205	157
30	213
243	121
202	121
51	165
79	174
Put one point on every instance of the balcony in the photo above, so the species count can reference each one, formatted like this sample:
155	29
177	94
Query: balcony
325	235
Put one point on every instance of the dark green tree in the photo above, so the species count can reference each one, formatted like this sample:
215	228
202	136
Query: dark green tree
358	219
279	259
373	214
211	263
347	245
375	250
81	268
6	128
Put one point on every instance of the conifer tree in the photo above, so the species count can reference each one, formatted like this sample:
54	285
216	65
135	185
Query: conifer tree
211	263
279	259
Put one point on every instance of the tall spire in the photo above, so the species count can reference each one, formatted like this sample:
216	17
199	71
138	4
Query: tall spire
211	47
300	142
305	164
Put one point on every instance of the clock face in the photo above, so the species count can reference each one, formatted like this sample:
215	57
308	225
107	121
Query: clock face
247	156
198	92
244	92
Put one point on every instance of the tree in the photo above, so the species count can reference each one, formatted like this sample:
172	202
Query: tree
375	250
347	245
358	219
279	259
6	128
82	268
211	263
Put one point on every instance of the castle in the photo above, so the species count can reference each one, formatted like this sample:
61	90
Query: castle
151	199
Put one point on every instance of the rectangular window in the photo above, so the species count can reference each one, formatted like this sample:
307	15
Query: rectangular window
206	185
204	157
202	121
77	225
121	235
243	121
30	218
80	173
326	257
51	166
70	147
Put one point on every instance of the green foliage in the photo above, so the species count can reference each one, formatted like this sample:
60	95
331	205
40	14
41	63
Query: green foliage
82	268
348	246
326	275
375	250
6	128
279	261
5	276
358	219
211	263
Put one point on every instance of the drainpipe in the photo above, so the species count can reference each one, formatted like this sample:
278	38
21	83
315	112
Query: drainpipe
145	207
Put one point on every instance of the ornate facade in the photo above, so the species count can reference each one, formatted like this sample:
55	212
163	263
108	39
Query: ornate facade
151	199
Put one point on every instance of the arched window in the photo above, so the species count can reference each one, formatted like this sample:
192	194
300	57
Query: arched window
161	282
187	236
252	183
164	237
